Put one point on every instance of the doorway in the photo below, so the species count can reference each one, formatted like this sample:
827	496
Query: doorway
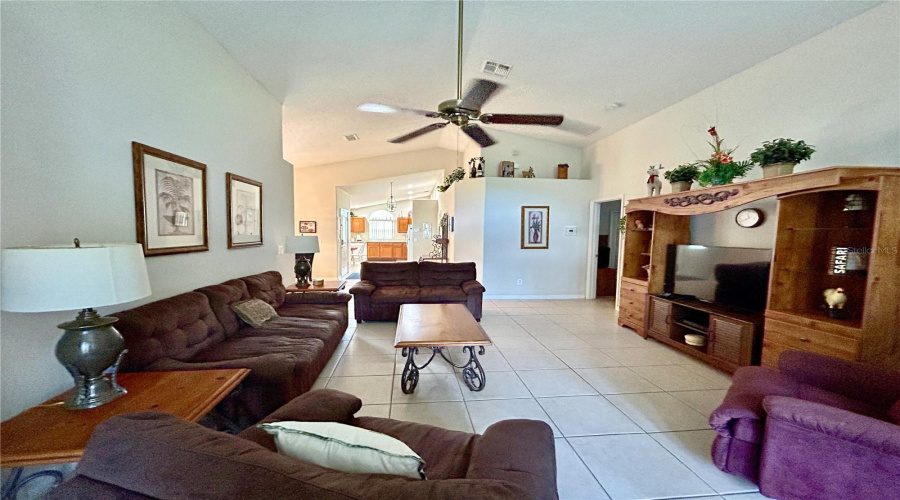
605	249
344	242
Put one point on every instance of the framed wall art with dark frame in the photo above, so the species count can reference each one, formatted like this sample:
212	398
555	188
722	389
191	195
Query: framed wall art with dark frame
170	202
243	197
535	230
307	226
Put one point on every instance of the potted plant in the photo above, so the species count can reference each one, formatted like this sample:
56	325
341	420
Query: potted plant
682	176
457	174
779	157
721	168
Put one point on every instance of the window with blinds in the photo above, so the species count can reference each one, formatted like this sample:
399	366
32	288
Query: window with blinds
381	225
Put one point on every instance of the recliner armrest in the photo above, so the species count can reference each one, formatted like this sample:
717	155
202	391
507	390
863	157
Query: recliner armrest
363	288
750	384
835	422
877	386
472	286
322	405
323	298
517	451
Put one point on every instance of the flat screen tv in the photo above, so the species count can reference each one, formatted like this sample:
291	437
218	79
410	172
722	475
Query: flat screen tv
728	276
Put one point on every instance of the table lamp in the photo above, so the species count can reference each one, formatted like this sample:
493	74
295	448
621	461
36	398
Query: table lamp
45	279
302	246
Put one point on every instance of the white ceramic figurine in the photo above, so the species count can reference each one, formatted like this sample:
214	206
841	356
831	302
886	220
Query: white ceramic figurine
654	185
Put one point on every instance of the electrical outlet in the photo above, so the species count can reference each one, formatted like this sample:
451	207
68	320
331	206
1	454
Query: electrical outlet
280	249
519	281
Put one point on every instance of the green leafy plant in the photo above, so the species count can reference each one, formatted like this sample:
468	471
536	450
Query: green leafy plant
458	174
686	172
622	225
721	168
782	151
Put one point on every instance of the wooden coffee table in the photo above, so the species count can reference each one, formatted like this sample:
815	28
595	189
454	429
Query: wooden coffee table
51	434
328	286
438	326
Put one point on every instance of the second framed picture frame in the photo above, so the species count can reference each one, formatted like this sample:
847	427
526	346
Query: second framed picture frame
535	231
243	199
170	202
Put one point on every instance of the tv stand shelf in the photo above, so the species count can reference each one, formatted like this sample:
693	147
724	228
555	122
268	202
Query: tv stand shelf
734	339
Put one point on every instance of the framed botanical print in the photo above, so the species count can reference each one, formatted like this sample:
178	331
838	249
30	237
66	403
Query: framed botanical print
535	227
170	202
307	226
244	201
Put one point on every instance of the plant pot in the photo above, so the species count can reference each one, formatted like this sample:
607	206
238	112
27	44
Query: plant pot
680	186
777	169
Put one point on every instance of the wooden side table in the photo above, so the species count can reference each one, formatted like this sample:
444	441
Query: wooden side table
51	434
328	286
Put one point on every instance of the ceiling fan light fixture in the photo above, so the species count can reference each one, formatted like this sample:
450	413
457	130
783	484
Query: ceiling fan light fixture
391	203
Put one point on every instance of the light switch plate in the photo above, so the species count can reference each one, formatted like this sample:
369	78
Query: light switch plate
571	230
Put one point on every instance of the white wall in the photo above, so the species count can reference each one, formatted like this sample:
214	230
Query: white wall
720	229
526	152
839	91
314	190
424	212
468	237
557	272
80	82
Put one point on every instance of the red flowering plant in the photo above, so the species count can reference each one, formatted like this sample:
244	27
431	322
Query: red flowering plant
721	168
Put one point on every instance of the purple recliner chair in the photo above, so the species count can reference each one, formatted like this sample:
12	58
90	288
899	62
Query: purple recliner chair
820	428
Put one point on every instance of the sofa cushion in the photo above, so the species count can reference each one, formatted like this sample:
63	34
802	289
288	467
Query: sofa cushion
895	412
178	327
441	294
390	273
445	274
395	295
297	328
305	350
267	286
346	448
254	312
221	297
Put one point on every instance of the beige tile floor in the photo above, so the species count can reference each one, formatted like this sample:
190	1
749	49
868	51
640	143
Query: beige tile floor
629	415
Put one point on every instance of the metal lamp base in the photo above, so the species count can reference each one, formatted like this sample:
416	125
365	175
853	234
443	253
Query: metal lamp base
91	350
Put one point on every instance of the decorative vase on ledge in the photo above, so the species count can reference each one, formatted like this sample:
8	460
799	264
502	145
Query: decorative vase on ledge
776	169
680	186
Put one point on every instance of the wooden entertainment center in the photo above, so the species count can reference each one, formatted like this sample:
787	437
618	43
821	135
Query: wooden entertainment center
812	222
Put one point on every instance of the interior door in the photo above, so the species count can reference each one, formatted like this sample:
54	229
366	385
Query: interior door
344	241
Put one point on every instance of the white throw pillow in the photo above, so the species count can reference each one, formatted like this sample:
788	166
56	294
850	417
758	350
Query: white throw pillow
345	448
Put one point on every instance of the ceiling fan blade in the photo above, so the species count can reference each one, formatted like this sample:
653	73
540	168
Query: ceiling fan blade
506	119
373	107
478	135
417	133
478	94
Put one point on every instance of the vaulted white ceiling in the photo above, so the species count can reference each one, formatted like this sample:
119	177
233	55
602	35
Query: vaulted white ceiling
322	59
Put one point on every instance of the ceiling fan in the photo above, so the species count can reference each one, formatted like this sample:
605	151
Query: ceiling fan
465	111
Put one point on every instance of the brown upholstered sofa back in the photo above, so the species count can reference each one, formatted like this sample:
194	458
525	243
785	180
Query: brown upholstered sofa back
390	273
266	286
221	297
178	327
445	274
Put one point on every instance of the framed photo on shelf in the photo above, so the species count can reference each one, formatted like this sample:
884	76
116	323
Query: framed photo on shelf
170	202
535	227
244	202
507	169
307	226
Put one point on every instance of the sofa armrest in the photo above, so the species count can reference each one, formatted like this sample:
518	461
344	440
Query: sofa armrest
517	451
877	386
363	288
323	298
750	384
472	286
322	405
835	422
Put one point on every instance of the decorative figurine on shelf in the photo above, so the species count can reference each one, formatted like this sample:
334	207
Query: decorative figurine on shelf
654	185
835	298
528	174
646	267
477	164
562	171
639	225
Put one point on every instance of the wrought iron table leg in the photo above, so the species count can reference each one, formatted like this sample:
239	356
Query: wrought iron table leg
14	482
473	373
410	377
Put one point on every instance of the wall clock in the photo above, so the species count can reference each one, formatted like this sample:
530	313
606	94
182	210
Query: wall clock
749	217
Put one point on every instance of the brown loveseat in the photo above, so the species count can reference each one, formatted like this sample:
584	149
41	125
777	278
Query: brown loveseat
386	286
199	331
145	456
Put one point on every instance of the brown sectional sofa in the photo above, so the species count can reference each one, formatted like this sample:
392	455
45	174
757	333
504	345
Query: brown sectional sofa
145	456
198	330
384	287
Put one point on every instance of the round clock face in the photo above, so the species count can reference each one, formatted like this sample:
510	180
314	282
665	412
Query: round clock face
750	217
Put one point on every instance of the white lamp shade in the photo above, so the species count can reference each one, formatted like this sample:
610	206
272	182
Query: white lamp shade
303	244
44	279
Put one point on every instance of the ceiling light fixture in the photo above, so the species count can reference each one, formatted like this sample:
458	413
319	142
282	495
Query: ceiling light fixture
613	105
376	108
391	203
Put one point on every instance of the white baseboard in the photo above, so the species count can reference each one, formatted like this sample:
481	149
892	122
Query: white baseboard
532	297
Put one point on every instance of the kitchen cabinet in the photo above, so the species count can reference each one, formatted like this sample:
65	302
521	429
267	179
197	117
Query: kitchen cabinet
386	250
357	224
403	224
